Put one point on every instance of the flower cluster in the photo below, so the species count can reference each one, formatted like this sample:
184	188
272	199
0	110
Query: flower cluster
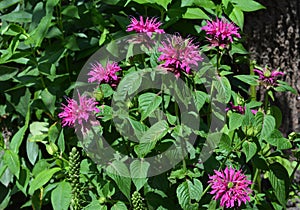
268	77
238	108
179	54
231	187
108	74
79	114
148	26
221	32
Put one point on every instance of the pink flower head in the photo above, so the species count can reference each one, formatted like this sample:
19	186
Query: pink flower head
108	74
239	109
268	77
148	26
79	114
221	32
231	187
179	54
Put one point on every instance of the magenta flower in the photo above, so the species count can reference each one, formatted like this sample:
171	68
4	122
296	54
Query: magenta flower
268	77
221	32
148	26
80	114
108	74
239	109
231	187
179	54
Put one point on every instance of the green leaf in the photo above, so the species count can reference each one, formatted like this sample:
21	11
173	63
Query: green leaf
53	132
38	128
238	48
200	99
119	206
11	159
267	127
61	196
187	191
128	85
71	11
94	205
279	180
163	3
49	100
119	172
7	72
24	103
17	17
23	180
150	138
249	148
39	32
225	142
237	16
7	3
61	141
138	171
276	139
32	150
195	13
235	121
42	178
248	5
17	139
248	79
283	87
276	113
148	103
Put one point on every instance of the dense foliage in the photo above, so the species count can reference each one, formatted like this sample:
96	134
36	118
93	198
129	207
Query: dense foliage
166	119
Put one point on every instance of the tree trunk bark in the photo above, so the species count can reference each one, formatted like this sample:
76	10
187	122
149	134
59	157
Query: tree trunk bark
273	39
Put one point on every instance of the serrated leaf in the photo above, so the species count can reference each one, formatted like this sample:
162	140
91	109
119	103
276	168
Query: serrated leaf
61	196
128	85
279	180
248	5
267	127
237	16
276	139
235	121
249	148
188	191
150	138
195	13
42	178
248	79
119	172
148	103
138	171
11	159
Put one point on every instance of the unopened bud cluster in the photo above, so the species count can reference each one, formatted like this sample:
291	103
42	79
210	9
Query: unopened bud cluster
137	201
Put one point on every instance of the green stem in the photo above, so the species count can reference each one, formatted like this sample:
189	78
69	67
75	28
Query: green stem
295	169
205	191
181	140
255	178
266	101
227	156
252	87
